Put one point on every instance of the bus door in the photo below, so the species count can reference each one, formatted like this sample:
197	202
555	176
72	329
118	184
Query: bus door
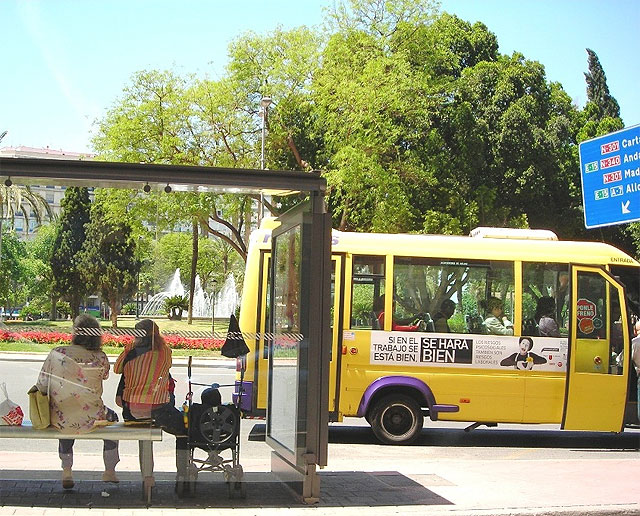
337	297
262	344
596	386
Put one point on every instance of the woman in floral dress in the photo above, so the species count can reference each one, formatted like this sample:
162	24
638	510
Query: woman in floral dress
72	376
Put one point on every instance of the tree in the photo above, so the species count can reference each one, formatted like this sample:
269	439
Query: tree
12	271
163	118
68	278
37	262
601	115
526	175
107	260
364	96
17	200
159	120
597	89
427	128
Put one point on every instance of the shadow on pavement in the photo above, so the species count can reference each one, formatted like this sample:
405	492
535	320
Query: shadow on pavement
496	437
487	437
338	489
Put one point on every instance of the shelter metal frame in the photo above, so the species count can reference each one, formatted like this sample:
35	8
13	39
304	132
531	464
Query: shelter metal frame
299	468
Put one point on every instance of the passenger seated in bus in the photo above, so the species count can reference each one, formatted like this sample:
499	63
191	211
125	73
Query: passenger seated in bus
545	317
395	324
497	323
441	318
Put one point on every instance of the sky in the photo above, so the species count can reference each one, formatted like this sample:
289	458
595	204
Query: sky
66	62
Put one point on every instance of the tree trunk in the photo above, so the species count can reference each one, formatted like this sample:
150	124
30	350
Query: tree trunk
53	314
75	306
194	266
113	305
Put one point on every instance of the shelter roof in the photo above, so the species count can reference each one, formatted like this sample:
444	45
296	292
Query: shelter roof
90	173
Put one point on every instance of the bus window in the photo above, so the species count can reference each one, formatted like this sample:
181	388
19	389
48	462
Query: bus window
592	301
366	291
421	285
545	296
598	325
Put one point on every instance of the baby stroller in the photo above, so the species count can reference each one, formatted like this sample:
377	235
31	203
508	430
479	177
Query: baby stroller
213	427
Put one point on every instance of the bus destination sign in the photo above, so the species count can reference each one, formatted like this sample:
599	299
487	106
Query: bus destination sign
610	170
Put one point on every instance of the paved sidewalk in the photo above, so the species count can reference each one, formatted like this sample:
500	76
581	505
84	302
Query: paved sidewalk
345	493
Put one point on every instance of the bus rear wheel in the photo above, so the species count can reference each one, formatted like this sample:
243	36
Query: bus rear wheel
396	419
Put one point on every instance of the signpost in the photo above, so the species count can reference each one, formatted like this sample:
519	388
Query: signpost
610	169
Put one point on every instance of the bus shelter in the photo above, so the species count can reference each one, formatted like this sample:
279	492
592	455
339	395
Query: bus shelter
297	422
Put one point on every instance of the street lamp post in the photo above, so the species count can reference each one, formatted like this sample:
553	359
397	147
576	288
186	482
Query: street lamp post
264	104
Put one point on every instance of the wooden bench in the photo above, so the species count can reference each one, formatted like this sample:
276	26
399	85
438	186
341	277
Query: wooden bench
143	433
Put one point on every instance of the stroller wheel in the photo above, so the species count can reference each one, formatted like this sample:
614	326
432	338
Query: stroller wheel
219	424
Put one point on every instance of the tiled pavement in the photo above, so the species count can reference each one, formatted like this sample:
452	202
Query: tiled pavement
339	489
346	493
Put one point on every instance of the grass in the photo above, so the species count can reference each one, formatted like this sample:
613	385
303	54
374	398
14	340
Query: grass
165	324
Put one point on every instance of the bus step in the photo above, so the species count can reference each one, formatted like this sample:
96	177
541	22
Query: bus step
476	425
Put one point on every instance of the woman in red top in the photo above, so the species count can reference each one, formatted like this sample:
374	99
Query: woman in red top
145	386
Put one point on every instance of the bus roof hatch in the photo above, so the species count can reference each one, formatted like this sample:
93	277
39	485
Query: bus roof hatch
511	233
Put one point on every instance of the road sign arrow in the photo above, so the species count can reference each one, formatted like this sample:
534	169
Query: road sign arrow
625	207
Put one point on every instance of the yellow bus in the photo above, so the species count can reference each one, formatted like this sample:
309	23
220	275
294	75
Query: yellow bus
502	326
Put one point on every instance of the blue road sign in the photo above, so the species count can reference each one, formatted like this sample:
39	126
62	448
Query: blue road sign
610	169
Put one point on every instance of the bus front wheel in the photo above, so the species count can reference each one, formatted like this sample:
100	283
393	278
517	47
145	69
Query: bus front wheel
396	419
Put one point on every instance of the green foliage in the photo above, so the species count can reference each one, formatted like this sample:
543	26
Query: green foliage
68	278
416	120
597	90
34	311
149	123
63	310
21	199
128	309
38	280
175	305
107	260
361	303
12	270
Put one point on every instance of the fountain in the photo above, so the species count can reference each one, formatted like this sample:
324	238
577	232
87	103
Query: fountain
226	301
155	305
227	298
